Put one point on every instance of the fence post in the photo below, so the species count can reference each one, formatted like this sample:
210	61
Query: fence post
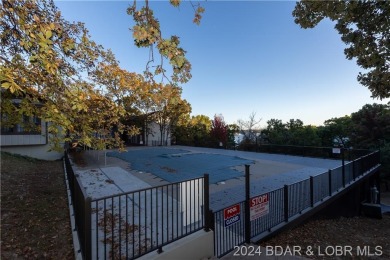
87	229
247	206
206	203
359	168
343	166
311	191
286	203
378	157
353	170
330	182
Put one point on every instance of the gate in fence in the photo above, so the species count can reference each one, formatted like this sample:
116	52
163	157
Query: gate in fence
258	216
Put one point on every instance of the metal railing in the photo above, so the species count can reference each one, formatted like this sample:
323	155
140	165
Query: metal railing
305	151
299	197
275	215
228	233
132	224
81	206
283	204
129	225
159	143
309	151
320	187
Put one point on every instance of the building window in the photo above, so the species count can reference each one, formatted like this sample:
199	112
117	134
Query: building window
28	125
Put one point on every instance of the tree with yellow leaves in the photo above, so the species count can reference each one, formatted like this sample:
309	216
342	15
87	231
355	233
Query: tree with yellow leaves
42	58
147	33
168	107
43	63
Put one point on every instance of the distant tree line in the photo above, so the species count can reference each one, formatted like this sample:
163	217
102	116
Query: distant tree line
367	128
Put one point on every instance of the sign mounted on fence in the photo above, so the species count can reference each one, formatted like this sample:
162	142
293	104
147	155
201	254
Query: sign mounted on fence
259	206
336	150
231	215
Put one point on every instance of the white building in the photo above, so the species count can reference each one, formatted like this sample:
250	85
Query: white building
151	136
18	140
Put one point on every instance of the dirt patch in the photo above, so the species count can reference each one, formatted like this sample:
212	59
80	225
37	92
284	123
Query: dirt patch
385	198
34	212
369	235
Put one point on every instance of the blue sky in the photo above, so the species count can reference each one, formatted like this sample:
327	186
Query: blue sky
246	56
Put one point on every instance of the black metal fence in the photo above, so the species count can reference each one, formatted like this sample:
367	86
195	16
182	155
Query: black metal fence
81	208
305	151
132	224
135	223
229	228
312	151
159	143
129	225
271	210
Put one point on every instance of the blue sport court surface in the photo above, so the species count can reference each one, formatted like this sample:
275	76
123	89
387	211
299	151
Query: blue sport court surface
174	165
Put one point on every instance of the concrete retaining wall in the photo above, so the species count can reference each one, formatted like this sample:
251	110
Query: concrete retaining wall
199	245
34	151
